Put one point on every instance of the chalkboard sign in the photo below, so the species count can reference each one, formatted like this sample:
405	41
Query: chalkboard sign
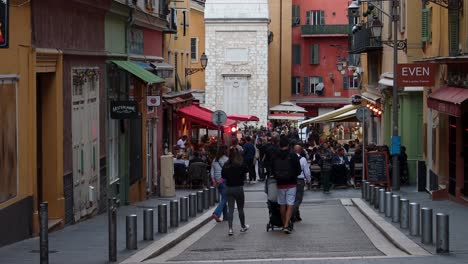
377	168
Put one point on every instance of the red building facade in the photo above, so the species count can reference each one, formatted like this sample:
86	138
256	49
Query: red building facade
320	42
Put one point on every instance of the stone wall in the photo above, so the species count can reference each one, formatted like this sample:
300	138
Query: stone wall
238	50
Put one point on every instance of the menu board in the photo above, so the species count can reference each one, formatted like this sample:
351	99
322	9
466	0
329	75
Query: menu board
377	167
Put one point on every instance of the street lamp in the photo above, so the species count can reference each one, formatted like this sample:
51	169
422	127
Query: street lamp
203	62
376	30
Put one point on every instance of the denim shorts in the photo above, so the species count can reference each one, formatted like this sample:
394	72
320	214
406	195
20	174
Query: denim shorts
287	196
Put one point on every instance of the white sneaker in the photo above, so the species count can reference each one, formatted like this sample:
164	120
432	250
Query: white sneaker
230	233
245	228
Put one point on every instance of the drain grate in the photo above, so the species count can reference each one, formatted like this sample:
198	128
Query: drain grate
212	249
38	251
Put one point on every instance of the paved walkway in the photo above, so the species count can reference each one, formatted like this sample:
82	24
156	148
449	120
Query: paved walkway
87	241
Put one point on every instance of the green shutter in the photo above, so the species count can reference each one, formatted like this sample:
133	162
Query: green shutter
425	25
311	54
294	12
322	17
306	86
345	82
317	54
296	54
293	85
454	31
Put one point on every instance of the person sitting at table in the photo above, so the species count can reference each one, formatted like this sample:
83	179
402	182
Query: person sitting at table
356	158
196	158
180	169
339	168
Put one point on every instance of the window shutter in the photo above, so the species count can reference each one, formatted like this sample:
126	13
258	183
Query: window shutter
316	54
311	54
453	30
345	82
294	12
306	86
308	13
322	17
296	54
293	85
425	25
298	13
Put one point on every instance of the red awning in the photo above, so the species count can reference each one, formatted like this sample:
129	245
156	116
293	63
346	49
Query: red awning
202	116
243	118
447	100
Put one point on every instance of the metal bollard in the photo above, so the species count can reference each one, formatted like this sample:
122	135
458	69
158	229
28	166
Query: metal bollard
200	201
112	230
162	218
376	197
363	190
382	201
426	225
388	204
184	209
174	213
44	232
442	233
371	193
404	213
367	191
414	219
131	231
395	208
217	195
206	198
148	224
212	195
192	204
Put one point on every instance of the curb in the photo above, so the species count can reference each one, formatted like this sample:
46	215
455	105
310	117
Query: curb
170	240
395	236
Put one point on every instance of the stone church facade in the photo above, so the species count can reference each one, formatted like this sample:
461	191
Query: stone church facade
237	49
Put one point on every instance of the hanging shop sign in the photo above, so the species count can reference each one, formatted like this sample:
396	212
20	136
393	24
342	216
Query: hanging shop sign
4	19
124	110
153	100
417	74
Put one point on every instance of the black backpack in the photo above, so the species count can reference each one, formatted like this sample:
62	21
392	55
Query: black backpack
282	169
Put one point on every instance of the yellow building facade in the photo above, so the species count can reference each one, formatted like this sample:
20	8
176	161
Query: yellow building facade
279	52
31	155
197	44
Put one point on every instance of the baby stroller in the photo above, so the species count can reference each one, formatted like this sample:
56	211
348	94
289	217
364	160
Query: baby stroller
274	214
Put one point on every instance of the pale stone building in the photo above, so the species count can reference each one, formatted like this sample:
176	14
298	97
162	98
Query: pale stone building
236	34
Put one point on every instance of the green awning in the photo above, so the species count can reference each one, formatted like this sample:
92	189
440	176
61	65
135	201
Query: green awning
139	72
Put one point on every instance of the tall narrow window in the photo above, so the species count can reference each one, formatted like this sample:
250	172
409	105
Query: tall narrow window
314	54
296	15
316	85
315	17
296	52
295	85
194	49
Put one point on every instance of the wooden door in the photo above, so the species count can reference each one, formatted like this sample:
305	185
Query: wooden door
85	139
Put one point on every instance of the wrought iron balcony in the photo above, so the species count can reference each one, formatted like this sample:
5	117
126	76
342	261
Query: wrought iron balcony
362	41
325	30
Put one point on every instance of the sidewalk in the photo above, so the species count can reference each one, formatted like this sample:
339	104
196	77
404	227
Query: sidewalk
87	241
458	220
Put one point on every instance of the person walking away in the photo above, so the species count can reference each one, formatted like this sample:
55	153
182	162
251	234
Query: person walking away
233	174
261	157
302	179
216	169
286	168
249	156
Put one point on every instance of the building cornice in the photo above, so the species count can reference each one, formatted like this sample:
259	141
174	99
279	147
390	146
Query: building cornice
237	20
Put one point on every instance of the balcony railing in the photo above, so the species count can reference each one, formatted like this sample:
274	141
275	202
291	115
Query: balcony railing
362	41
325	29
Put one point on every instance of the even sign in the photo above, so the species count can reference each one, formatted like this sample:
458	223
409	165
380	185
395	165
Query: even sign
415	75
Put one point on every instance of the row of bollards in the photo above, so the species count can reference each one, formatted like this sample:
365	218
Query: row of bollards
411	216
179	211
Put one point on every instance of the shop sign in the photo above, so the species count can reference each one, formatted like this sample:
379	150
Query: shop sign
153	100
4	19
417	74
124	110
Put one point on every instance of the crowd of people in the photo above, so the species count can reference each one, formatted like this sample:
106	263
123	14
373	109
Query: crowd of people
281	156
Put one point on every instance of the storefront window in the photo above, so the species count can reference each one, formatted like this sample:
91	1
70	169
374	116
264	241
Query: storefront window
8	142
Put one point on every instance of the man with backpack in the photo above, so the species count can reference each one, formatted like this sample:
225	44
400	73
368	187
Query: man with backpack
285	169
302	179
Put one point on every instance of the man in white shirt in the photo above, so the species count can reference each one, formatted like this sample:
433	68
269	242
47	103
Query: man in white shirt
181	142
302	179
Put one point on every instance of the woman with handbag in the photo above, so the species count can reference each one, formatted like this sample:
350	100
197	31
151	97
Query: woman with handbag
216	168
